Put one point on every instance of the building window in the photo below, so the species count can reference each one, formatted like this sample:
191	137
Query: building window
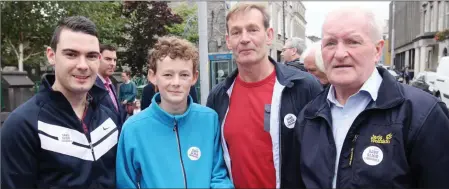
279	23
447	14
425	21
292	26
431	18
270	9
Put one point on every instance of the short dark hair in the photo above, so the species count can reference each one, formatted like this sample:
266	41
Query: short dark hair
127	72
76	24
108	47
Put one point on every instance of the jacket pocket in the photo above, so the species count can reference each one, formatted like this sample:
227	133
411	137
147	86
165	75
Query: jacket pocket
266	117
375	163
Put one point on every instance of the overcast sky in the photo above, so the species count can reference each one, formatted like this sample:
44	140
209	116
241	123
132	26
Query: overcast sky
317	10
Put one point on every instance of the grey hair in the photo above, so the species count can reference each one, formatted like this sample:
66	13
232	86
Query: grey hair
298	43
376	29
316	48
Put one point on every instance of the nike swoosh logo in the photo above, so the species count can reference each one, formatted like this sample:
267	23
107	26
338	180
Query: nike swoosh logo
105	128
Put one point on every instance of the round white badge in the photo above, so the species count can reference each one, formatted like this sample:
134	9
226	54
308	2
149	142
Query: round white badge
65	137
194	153
289	121
372	155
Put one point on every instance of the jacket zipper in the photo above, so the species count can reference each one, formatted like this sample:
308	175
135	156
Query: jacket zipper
175	129
280	137
354	126
138	178
86	131
352	149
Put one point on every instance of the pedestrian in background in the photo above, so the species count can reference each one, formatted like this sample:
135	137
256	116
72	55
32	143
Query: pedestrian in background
108	64
291	53
313	62
127	92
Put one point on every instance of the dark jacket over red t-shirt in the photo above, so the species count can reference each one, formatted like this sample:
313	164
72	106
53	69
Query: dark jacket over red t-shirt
292	90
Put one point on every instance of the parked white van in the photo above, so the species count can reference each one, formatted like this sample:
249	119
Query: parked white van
441	86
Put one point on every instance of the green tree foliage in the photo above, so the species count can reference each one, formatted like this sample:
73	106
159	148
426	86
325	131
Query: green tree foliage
147	20
188	29
26	28
106	16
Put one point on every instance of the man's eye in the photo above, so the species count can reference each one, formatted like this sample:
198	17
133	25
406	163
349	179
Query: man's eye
330	43
71	55
92	57
353	42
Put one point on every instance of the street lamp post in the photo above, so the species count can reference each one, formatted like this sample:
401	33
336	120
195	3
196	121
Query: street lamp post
392	38
203	50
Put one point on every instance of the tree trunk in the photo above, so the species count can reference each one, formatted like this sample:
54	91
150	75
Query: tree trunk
21	57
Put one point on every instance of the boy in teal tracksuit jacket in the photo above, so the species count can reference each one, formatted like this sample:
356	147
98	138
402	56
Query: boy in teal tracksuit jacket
174	143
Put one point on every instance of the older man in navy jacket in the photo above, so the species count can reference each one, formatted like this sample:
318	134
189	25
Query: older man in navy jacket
367	130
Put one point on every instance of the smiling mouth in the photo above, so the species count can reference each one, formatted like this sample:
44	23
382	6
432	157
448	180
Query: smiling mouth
80	77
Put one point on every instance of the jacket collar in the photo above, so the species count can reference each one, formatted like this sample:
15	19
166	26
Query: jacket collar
284	75
371	86
295	61
94	94
165	117
390	94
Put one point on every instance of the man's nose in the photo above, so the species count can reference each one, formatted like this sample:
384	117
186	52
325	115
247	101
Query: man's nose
245	38
341	51
82	64
176	80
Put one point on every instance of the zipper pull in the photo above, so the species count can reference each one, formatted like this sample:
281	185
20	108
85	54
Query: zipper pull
352	149
175	128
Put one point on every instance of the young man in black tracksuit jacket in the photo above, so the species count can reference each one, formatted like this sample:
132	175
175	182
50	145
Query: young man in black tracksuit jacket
62	137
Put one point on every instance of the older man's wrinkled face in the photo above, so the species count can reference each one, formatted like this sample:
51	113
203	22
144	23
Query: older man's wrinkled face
310	65
248	38
349	53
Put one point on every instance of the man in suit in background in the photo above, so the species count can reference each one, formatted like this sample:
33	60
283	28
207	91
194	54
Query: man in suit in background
107	67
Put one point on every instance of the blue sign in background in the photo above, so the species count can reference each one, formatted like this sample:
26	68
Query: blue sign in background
220	56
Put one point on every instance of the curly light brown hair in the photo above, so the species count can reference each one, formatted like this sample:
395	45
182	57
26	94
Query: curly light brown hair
174	47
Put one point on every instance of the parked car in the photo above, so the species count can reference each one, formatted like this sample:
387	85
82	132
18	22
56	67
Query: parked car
421	83
396	75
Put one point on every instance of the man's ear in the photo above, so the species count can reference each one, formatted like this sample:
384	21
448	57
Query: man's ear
270	36
228	44
295	51
379	47
51	56
152	77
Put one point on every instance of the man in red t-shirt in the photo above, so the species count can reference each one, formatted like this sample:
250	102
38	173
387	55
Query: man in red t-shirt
257	105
